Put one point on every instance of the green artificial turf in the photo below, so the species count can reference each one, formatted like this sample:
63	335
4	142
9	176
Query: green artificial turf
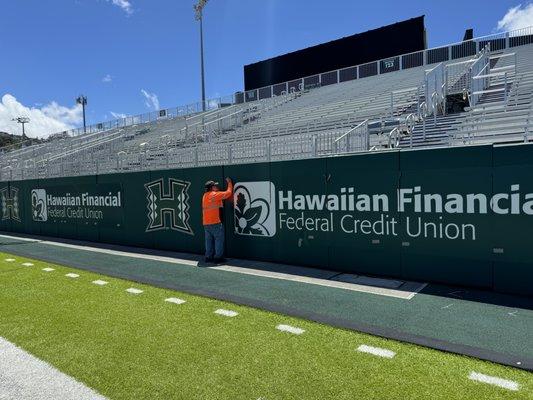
129	346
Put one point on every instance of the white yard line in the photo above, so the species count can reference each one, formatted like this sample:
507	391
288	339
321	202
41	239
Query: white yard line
226	313
27	264
9	259
23	376
174	300
377	351
493	380
100	282
291	329
71	275
134	291
47	269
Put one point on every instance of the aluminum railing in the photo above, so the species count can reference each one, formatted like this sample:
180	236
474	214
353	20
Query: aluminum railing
355	139
479	69
498	41
434	88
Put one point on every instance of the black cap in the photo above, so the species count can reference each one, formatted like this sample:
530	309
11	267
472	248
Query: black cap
210	184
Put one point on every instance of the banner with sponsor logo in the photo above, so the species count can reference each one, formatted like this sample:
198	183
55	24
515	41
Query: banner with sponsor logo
80	204
457	215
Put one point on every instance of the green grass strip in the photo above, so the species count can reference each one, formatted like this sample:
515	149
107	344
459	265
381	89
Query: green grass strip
129	346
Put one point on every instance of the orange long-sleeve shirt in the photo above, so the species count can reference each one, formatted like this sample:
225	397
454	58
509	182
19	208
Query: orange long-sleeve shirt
211	204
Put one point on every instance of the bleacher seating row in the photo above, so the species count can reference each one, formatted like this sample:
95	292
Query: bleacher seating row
375	113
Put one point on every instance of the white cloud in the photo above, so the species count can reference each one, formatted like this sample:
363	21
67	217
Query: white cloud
151	100
108	78
51	118
517	17
125	5
117	115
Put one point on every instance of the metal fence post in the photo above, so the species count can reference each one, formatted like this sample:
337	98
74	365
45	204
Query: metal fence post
268	150
314	149
348	142
230	153
367	136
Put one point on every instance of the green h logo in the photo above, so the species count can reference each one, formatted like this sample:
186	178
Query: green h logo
9	200
172	201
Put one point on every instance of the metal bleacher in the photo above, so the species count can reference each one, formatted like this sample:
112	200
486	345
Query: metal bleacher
408	101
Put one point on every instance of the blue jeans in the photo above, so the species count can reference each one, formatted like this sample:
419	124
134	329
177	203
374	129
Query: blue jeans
214	241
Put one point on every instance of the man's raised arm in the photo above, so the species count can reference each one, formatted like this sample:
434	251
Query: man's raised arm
227	193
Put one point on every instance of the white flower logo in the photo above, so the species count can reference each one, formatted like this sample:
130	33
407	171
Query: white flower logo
254	209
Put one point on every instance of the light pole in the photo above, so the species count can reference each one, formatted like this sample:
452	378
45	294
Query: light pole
198	8
83	101
22	121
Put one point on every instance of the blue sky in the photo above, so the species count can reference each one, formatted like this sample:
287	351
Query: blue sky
113	50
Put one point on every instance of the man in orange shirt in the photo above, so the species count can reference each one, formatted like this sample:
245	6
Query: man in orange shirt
212	202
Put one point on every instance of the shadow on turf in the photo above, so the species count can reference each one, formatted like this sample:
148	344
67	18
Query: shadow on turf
479	296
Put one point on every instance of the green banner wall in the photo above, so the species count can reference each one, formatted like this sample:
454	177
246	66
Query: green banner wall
455	215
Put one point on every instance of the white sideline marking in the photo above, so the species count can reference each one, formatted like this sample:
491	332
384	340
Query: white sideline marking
134	291
9	259
107	251
174	300
377	351
99	282
23	376
493	380
71	275
226	313
400	294
47	269
290	329
28	264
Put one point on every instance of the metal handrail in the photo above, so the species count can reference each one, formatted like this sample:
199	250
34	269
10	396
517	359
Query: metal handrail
395	129
350	131
224	117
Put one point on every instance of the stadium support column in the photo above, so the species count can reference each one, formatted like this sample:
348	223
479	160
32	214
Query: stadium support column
198	8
